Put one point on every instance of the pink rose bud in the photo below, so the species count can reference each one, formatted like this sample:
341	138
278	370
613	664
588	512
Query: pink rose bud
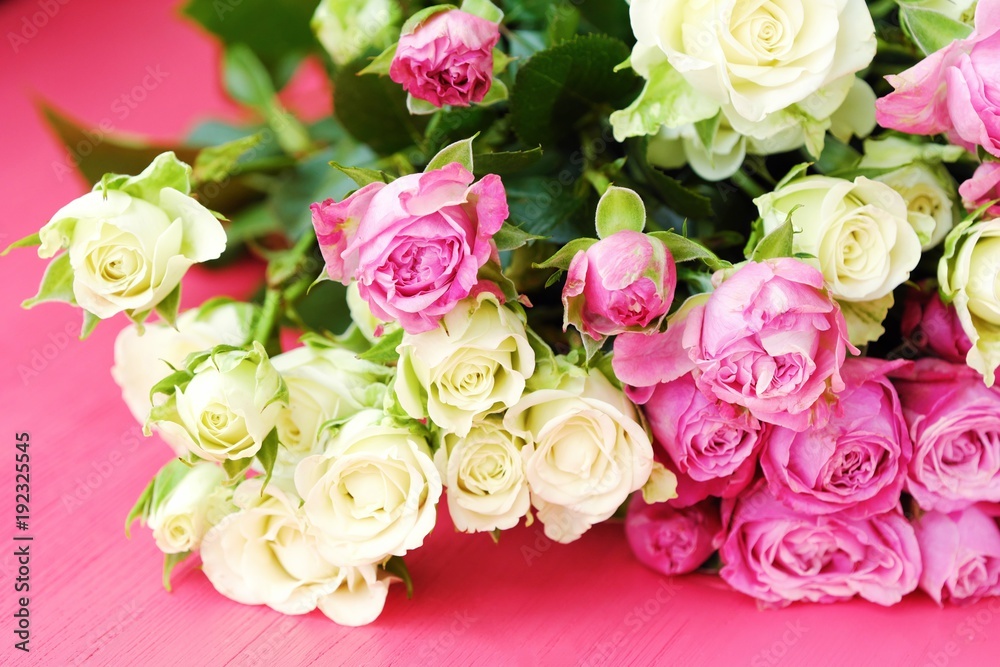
769	339
856	464
416	245
954	422
671	540
983	187
954	90
932	328
961	555
447	59
624	282
778	555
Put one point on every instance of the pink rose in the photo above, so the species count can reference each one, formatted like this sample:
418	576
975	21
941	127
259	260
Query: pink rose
624	282
705	438
933	328
447	59
415	245
769	338
953	90
691	491
954	422
983	187
671	540
780	556
961	555
857	462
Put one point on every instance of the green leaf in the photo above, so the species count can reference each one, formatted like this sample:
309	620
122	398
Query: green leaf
396	566
140	510
681	199
267	455
278	31
27	242
795	172
684	249
931	30
460	152
776	244
167	309
503	163
90	322
706	130
548	207
170	561
380	64
620	209
666	99
483	9
510	237
557	87
384	351
837	157
57	283
217	163
168	385
564	19
373	110
561	260
245	77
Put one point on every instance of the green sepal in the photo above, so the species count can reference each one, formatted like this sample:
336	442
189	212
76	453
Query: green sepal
384	351
793	173
414	21
57	283
931	30
168	307
217	163
707	129
236	469
498	92
419	107
380	64
170	561
779	243
27	242
483	9
492	272
460	152
90	322
620	209
168	386
396	566
267	455
683	249
564	256
510	237
165	480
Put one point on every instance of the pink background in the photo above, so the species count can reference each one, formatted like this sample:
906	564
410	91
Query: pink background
96	597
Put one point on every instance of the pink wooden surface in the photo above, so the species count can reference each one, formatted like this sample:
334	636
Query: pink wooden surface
96	597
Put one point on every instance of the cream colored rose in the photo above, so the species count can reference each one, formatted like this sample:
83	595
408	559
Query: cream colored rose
141	360
195	504
129	245
858	232
474	364
484	474
372	494
931	205
266	553
346	28
362	317
231	405
756	57
324	383
969	276
585	452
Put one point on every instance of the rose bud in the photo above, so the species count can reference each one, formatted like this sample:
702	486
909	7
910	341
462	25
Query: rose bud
933	328
983	187
961	554
671	540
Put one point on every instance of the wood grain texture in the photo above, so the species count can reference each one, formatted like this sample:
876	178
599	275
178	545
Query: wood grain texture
96	597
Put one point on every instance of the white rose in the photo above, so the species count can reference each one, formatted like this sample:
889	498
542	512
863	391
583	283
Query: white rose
969	276
195	504
672	148
141	360
362	316
931	205
474	364
585	452
756	57
324	383
484	474
130	245
266	553
346	28
372	494
231	405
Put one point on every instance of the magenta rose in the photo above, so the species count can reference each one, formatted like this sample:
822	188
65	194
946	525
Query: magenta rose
961	555
954	90
778	555
856	463
671	540
954	422
706	439
415	245
624	282
982	188
447	59
933	328
691	491
769	339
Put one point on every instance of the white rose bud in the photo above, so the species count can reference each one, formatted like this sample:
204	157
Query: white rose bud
181	519
859	236
324	383
266	553
346	28
474	364
969	276
930	200
141	360
585	452
132	239
372	494
231	404
484	473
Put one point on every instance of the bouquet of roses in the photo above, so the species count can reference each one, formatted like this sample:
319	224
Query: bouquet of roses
704	265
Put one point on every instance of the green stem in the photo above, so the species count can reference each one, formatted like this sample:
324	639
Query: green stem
748	185
268	316
275	297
